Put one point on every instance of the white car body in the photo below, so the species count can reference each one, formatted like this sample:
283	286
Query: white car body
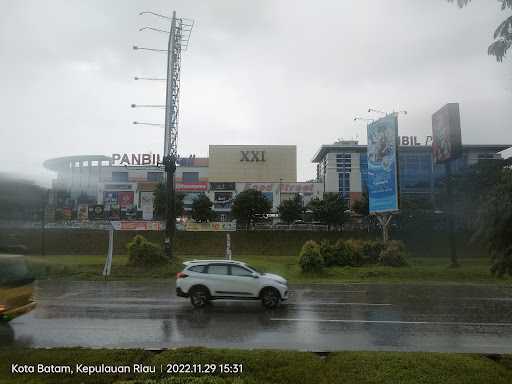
228	279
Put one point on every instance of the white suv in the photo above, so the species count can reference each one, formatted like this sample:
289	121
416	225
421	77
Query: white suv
204	280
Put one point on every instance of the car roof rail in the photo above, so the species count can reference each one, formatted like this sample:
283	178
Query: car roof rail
212	261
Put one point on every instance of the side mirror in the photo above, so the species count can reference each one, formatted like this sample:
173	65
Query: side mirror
255	275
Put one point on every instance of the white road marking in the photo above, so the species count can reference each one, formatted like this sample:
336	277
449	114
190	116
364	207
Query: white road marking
334	303
393	322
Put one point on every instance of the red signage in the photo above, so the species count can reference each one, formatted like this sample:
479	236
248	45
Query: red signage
125	199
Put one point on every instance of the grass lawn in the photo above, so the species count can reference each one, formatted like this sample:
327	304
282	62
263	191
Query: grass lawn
264	366
474	270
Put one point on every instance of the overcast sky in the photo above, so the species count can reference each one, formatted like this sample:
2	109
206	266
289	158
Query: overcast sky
256	72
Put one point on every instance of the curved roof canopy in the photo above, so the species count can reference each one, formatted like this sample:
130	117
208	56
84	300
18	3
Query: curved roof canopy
60	163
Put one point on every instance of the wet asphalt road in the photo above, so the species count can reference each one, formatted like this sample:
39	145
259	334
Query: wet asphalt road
316	318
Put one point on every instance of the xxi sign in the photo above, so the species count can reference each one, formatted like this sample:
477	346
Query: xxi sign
252	155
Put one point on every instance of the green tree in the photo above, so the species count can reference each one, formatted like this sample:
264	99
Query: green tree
362	206
160	202
330	210
202	209
290	210
249	206
495	223
502	34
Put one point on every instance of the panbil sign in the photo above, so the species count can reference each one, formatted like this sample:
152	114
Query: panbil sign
210	227
135	158
297	187
199	187
446	135
252	156
382	165
411	141
262	187
136	225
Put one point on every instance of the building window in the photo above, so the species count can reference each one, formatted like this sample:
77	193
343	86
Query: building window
190	177
343	162
155	176
119	176
363	161
344	184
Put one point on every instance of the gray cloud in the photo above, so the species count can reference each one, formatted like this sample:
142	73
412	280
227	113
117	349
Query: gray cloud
270	72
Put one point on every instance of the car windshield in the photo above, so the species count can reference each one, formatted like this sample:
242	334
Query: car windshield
254	269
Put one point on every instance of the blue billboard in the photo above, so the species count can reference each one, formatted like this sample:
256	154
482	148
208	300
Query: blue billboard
382	165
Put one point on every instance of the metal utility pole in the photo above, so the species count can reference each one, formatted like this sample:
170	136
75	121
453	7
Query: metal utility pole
178	39
179	35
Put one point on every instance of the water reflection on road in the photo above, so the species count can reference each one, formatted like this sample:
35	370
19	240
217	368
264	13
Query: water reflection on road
317	317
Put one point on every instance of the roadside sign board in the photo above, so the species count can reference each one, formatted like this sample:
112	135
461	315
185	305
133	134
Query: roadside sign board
382	165
446	135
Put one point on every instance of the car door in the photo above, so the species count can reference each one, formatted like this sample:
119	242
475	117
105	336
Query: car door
243	281
216	279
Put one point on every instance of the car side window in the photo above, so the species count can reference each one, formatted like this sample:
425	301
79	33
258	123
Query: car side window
240	271
217	269
197	268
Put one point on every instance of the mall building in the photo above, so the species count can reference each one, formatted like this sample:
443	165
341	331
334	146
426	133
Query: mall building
122	185
342	167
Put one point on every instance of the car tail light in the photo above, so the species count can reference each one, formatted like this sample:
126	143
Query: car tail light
181	275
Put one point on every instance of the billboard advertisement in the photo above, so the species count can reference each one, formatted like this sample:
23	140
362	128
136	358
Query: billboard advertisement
146	205
125	199
83	212
446	136
96	212
382	165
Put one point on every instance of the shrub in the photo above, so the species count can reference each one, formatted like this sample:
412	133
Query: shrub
310	259
347	253
328	253
354	251
142	252
371	250
393	254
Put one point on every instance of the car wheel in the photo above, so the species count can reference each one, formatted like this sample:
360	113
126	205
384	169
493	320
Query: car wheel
270	298
199	297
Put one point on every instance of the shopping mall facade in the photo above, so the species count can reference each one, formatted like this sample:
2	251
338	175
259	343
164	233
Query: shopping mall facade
121	186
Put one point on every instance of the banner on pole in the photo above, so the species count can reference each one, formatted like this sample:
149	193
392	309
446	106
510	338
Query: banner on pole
382	165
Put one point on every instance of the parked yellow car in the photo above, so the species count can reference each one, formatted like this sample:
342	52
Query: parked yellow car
16	287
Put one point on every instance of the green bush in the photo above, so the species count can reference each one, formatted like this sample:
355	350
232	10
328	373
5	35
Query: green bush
143	253
371	250
310	259
393	254
328	253
347	254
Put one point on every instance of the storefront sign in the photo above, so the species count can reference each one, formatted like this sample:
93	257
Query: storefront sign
118	187
262	187
136	225
297	187
136	158
202	186
222	186
252	156
411	141
210	227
